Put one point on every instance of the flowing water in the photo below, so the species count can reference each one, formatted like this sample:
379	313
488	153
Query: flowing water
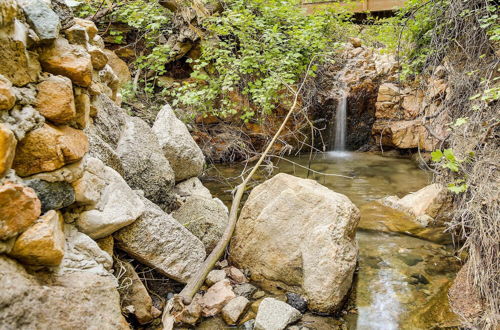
340	124
401	281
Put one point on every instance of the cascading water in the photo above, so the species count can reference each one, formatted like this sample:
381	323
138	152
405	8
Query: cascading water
340	123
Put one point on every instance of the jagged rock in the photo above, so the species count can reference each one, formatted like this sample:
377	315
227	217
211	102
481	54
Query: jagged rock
184	155
77	35
41	18
400	134
216	297
205	218
215	276
82	108
107	244
7	149
68	173
234	309
72	61
26	303
55	100
53	195
245	289
134	293
120	68
48	148
99	58
7	97
19	208
41	244
64	11
17	63
83	254
25	95
8	12
144	164
236	275
113	203
296	301
88	25
192	187
21	121
159	241
285	227
275	315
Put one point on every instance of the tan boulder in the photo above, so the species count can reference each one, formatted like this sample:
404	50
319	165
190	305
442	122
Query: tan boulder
234	309
399	134
388	92
82	108
19	208
55	100
48	148
72	61
8	144
216	297
99	58
285	227
43	243
88	25
7	97
120	68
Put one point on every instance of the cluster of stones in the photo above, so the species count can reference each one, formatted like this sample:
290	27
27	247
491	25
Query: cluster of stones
77	173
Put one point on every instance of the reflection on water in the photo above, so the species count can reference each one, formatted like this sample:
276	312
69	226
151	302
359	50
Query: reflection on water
398	274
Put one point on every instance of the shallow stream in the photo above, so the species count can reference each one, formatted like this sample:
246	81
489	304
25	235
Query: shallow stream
401	281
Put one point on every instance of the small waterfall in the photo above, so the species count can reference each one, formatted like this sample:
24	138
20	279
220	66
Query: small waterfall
337	140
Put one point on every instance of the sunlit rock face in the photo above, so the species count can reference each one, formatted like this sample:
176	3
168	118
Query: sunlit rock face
297	235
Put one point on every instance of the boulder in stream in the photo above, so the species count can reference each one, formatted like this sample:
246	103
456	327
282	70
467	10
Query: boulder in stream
296	235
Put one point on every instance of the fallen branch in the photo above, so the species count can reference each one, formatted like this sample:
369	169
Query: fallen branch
197	279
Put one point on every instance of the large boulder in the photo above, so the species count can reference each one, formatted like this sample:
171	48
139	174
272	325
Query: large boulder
287	225
184	155
73	301
159	241
55	100
111	203
144	164
205	217
42	19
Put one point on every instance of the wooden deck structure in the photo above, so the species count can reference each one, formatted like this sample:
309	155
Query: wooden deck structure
357	6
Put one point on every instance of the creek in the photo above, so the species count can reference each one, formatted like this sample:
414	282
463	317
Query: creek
401	281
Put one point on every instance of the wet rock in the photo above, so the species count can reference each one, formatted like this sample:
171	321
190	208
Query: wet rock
216	297
48	148
192	187
236	275
410	259
120	68
275	315
53	195
7	97
144	164
19	208
99	58
234	309
285	227
245	290
26	303
55	100
215	276
134	293
296	301
82	108
42	244
418	279
42	19
465	298
184	155
72	61
21	121
205	218
113	203
8	145
160	242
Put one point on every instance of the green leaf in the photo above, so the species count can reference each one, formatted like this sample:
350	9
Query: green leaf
457	189
436	155
460	121
448	153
